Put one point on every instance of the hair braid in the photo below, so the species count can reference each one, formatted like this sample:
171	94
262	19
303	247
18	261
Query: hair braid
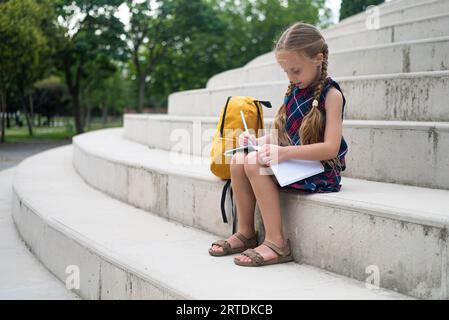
322	80
290	89
282	137
313	125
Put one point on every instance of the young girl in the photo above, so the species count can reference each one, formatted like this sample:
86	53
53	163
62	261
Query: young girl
307	126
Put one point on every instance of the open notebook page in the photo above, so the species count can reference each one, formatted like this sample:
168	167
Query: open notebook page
290	171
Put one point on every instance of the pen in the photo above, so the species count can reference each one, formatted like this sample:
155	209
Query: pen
246	127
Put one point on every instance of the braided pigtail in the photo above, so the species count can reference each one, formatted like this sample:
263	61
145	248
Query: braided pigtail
280	118
314	123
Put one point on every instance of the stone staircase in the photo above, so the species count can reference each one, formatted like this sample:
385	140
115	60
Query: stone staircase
137	207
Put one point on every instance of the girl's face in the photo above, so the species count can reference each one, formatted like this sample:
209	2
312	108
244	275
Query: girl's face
300	69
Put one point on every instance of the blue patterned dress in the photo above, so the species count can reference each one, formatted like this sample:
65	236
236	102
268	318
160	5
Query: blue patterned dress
298	104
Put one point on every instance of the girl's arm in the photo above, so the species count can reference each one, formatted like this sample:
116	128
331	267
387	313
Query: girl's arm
315	151
332	136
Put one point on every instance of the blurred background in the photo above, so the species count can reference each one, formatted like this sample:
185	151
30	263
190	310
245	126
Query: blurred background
71	66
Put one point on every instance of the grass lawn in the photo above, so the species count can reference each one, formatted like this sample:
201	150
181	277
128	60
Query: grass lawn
17	134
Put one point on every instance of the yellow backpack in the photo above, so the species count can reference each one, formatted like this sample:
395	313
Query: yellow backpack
229	126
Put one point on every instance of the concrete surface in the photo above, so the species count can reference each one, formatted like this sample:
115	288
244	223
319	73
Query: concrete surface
22	276
123	252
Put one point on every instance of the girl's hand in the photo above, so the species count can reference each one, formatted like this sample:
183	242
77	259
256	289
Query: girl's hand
271	153
244	137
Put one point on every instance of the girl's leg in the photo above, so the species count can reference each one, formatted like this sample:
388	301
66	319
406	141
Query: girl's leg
245	201
268	198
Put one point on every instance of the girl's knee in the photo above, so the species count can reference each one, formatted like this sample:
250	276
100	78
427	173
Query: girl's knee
251	166
237	163
238	158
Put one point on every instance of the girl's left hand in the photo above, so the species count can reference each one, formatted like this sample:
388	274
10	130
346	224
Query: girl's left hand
271	153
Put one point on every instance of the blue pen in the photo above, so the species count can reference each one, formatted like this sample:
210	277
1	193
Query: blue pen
246	127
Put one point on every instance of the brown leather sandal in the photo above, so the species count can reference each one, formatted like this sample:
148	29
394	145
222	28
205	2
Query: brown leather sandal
284	255
227	250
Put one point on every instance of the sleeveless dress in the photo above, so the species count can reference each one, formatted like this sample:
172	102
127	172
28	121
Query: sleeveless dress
298	104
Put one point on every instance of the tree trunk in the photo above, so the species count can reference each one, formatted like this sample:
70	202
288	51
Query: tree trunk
141	79
17	120
28	120
27	116
8	120
31	108
77	113
73	85
2	115
83	115
88	114
104	114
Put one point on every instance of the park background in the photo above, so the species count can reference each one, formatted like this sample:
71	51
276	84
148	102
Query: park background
68	67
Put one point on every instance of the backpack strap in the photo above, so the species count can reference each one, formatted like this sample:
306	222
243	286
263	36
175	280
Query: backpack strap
266	103
223	209
234	215
259	117
224	116
258	104
223	199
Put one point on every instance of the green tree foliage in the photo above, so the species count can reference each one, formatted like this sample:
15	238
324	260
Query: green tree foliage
169	46
24	48
91	41
50	99
351	7
105	90
235	33
166	28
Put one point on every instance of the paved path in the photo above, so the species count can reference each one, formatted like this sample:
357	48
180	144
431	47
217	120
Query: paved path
12	153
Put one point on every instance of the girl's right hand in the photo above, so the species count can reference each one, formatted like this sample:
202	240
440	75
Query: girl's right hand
244	137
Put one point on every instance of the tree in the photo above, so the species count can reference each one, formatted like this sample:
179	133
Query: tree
352	7
146	33
105	90
24	49
50	99
161	27
92	37
232	33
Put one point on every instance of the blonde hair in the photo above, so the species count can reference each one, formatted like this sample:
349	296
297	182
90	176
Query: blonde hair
305	39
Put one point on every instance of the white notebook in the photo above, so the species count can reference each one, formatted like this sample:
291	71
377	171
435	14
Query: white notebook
288	171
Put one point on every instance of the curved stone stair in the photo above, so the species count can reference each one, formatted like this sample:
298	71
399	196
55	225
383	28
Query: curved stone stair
120	202
400	229
126	253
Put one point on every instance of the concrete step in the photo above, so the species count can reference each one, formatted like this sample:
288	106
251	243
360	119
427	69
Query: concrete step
354	36
125	253
421	28
22	276
419	96
399	230
385	8
401	57
383	151
389	17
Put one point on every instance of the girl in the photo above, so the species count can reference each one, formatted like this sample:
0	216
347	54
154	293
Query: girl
307	126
